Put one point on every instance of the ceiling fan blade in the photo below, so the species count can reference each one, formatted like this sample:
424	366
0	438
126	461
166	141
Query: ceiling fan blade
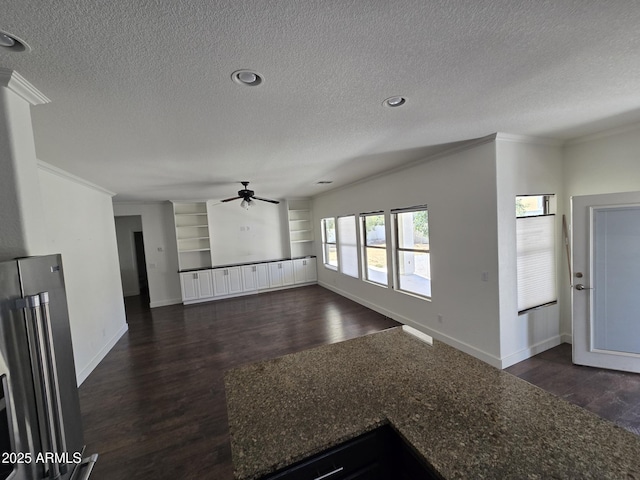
229	199
265	199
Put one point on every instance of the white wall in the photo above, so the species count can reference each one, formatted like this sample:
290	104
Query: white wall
460	191
240	236
160	249
605	163
525	167
125	228
79	225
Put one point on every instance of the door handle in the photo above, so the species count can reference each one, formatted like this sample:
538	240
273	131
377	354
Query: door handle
582	287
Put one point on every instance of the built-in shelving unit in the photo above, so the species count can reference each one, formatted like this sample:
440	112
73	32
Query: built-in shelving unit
300	227
192	235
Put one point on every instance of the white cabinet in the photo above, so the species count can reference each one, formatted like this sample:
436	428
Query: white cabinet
196	285
304	270
262	270
249	278
227	281
281	274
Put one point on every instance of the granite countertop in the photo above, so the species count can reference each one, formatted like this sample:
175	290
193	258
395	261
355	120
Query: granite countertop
467	418
186	270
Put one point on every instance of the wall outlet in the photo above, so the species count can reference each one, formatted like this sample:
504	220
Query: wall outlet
440	318
485	276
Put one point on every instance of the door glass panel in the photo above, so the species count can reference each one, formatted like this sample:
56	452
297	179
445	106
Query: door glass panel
616	279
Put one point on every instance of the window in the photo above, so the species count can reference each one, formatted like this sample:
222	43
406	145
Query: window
413	272
375	248
535	246
347	245
329	251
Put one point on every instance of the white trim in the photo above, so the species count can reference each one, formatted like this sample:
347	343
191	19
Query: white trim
566	338
604	134
509	137
21	87
464	347
84	373
165	303
142	202
47	167
531	351
459	147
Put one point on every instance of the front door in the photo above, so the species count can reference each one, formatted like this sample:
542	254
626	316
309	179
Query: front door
606	280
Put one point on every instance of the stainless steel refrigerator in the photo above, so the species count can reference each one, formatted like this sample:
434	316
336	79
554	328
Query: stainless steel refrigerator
40	424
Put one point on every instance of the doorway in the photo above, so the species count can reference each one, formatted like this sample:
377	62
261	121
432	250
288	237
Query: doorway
132	258
606	275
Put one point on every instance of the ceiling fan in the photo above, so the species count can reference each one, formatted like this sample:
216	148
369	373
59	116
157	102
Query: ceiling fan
248	197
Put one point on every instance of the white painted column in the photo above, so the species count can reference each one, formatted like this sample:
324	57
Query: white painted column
22	226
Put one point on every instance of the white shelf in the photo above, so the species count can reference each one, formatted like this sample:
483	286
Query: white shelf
192	235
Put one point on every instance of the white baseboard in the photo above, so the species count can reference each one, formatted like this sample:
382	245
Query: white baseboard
164	303
567	338
531	351
464	347
84	373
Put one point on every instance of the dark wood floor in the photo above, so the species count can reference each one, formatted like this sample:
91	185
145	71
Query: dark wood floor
155	406
610	394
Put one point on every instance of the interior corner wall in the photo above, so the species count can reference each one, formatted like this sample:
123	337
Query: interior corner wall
526	169
79	225
160	249
604	163
460	192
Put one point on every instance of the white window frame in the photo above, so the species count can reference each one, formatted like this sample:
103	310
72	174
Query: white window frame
326	242
397	250
365	261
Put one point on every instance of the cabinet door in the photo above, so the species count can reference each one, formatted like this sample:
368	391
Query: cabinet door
311	269
299	271
262	271
234	279
249	278
204	284
275	274
189	284
287	272
220	284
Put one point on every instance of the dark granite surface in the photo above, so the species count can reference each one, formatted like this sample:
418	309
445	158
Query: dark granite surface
468	419
228	265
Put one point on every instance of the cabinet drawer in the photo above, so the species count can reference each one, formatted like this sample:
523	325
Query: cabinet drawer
353	459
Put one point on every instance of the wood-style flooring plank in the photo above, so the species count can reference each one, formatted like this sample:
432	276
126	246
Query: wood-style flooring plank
155	407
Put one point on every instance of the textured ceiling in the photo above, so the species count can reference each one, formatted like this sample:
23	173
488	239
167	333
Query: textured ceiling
143	103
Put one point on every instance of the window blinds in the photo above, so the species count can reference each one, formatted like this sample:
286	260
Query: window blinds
347	245
536	261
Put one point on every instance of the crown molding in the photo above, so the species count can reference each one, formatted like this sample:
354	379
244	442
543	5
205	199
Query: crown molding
47	167
21	87
604	134
510	137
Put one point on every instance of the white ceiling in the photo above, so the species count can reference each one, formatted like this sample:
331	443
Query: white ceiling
144	105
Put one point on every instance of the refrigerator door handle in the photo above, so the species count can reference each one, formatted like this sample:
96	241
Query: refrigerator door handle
37	342
55	385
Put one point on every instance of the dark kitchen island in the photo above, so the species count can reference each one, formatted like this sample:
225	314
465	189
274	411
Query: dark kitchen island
466	418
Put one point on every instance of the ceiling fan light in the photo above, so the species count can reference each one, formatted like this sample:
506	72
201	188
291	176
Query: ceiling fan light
245	204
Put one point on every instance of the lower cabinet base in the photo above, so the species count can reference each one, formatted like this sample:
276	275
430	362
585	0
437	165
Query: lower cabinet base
381	454
244	294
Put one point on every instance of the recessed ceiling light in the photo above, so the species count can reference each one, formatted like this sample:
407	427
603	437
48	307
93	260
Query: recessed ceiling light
247	78
394	101
12	43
